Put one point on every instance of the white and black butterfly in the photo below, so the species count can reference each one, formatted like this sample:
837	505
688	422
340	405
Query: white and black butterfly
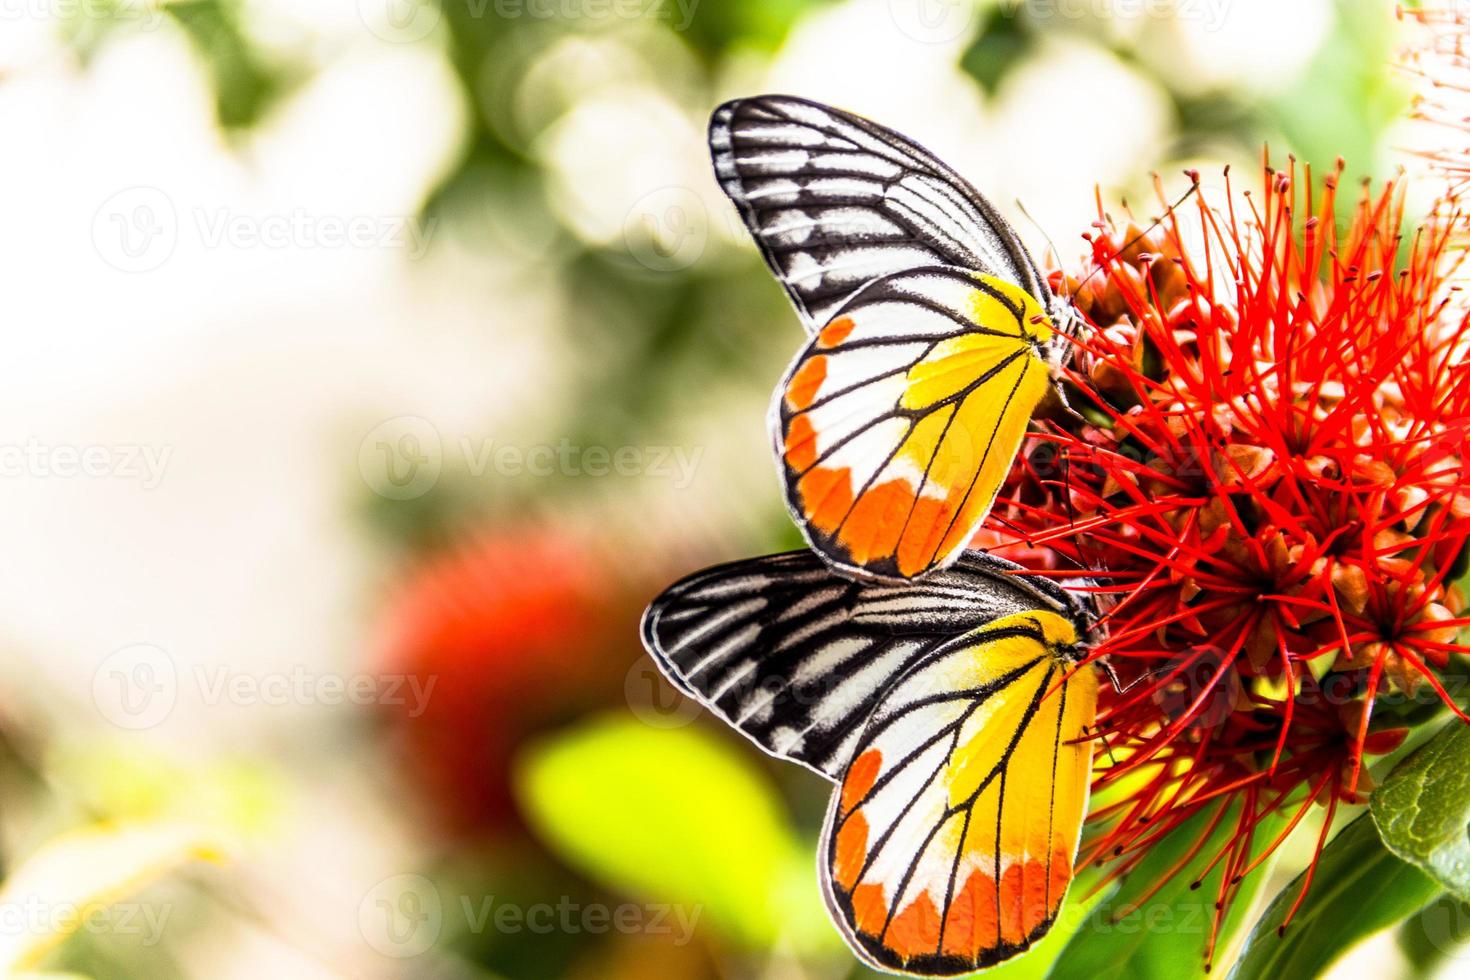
951	714
933	334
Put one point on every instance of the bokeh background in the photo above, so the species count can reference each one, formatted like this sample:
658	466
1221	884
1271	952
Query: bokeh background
368	365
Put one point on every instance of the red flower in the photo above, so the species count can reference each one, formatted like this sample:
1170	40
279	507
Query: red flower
1268	495
517	631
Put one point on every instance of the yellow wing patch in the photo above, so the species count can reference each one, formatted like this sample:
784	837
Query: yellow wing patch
950	841
900	420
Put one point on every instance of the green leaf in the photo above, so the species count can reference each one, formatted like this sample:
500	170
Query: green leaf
1423	808
681	816
1165	936
1359	888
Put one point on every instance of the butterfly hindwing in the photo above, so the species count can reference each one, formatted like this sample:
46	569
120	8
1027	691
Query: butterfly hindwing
949	843
796	656
897	424
835	201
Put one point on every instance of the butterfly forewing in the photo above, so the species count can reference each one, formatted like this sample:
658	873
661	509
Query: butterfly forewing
835	201
949	844
796	656
897	424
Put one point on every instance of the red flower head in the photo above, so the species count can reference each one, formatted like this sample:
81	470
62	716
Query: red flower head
1267	495
518	631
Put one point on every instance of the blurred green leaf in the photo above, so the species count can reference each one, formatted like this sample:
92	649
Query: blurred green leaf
1423	808
1359	888
1165	935
1439	931
245	85
681	816
1000	44
1346	99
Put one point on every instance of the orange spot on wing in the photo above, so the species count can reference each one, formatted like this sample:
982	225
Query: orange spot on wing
970	925
801	391
877	519
917	550
852	850
915	930
869	911
801	444
835	332
861	776
826	497
1010	905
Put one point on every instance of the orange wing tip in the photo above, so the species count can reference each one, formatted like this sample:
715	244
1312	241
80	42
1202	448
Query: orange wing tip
873	533
851	850
984	925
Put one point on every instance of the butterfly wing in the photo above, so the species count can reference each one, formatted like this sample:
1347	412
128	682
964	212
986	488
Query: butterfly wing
796	656
949	845
897	424
835	201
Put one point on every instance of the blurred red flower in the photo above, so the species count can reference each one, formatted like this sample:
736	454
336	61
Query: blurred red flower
518	630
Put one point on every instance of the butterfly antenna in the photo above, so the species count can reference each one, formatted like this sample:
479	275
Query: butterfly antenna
1194	186
1051	245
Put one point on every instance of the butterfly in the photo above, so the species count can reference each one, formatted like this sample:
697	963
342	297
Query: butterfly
952	714
932	333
